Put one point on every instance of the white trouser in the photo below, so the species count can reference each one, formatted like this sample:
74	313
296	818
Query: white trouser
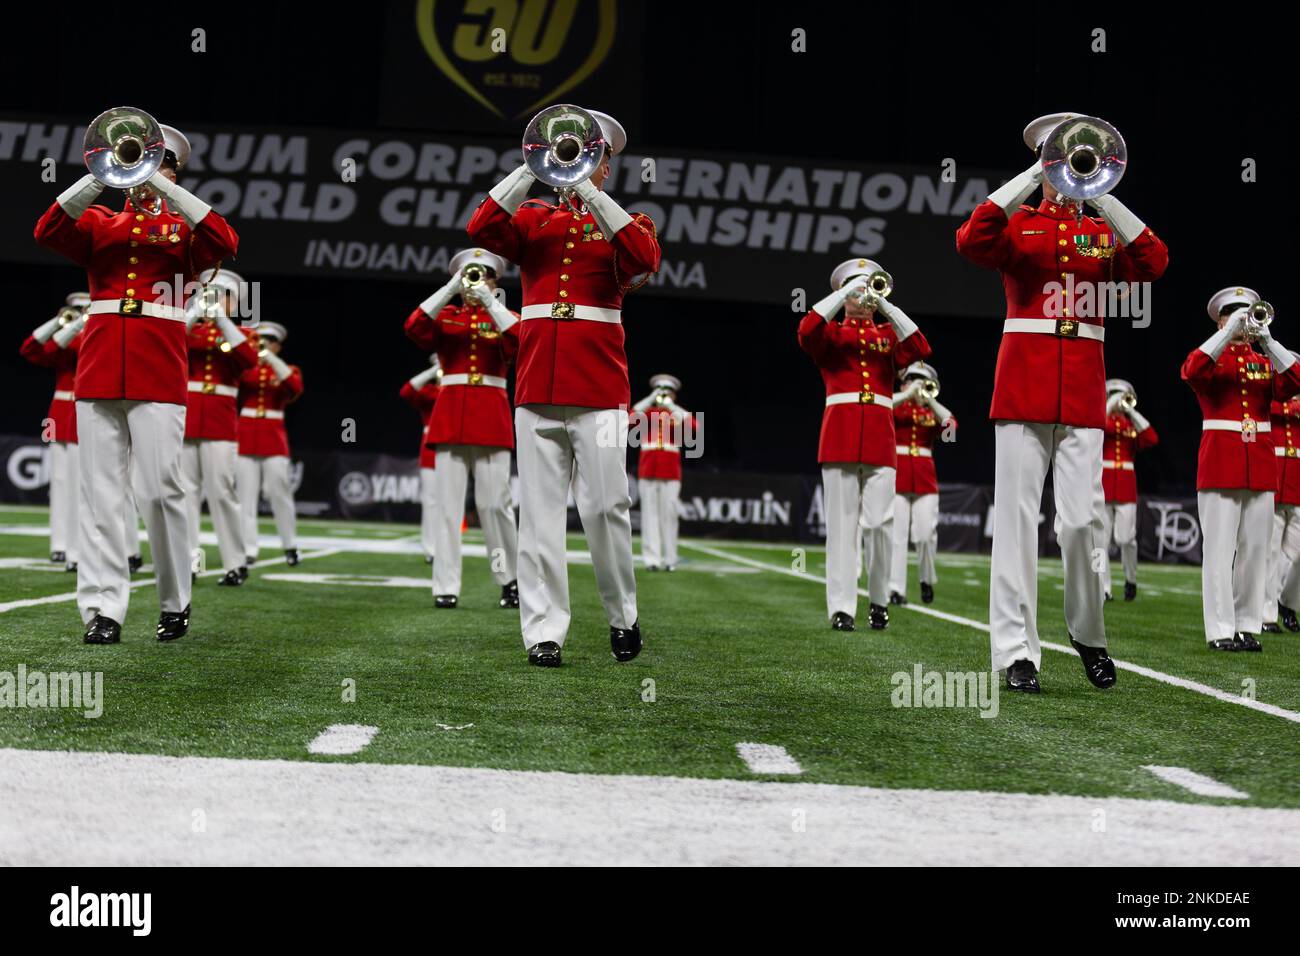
659	521
1283	551
269	476
1288	570
64	490
1236	529
859	506
428	512
132	514
1025	450
559	446
918	514
208	470
496	515
1121	520
154	432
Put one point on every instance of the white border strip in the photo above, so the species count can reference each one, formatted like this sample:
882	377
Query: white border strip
768	759
1197	783
339	739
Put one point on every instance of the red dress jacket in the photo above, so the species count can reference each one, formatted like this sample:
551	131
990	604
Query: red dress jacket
262	401
215	373
567	264
424	400
475	411
661	455
916	428
1236	394
1286	448
130	257
1052	378
1123	442
63	406
858	359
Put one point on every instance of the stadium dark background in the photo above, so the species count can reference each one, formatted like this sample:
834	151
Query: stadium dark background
1193	94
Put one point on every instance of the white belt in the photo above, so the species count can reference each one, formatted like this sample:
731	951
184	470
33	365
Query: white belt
855	398
1289	452
1065	328
61	395
1121	465
135	307
570	310
914	452
249	412
464	378
1231	425
208	388
661	447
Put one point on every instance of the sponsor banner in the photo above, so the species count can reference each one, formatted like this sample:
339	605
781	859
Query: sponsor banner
734	227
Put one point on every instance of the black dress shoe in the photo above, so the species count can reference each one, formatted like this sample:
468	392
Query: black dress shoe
1288	618
135	562
70	566
509	595
1109	597
103	630
446	601
428	559
1097	665
1022	676
545	654
173	624
879	617
1247	642
1224	644
242	571
230	579
896	598
252	558
1271	628
927	593
842	622
291	557
1130	590
625	642
58	557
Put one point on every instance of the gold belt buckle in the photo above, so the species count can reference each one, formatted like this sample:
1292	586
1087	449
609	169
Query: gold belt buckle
914	451
866	396
261	413
476	378
209	388
1248	425
129	307
1292	452
561	310
1067	328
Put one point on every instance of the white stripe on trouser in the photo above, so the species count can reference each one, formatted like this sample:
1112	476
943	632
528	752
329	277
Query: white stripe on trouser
63	498
208	471
428	513
1025	450
919	515
1236	528
859	507
1121	520
265	475
154	432
496	515
559	446
659	520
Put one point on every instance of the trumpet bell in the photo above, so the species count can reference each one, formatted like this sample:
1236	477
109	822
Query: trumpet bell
472	275
1128	400
880	283
123	147
930	388
563	145
1084	158
1258	317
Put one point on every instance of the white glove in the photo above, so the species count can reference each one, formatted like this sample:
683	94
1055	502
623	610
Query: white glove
1138	419
425	377
1126	225
69	331
181	201
1216	343
1112	403
828	306
677	410
513	190
193	310
278	365
940	412
1015	191
78	197
903	326
1282	359
45	331
229	331
434	304
645	403
608	214
909	390
502	317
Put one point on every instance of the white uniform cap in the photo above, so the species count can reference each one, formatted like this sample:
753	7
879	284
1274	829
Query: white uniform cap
272	330
923	369
615	135
225	279
1114	385
176	141
849	268
1038	129
463	258
665	380
78	300
1233	295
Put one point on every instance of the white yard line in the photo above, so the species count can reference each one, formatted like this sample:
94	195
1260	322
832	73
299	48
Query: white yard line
1164	678
1197	783
768	759
368	814
343	739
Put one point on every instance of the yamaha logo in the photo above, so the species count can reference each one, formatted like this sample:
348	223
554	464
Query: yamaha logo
354	488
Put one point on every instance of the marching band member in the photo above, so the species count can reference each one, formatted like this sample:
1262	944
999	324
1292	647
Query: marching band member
220	354
1236	471
577	260
920	419
659	470
1049	402
858	359
131	380
1284	551
1127	433
470	423
421	393
53	345
263	469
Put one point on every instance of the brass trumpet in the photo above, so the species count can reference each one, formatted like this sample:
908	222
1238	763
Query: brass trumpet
661	397
879	285
68	315
1258	318
1128	401
930	388
563	145
123	148
1084	158
474	274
